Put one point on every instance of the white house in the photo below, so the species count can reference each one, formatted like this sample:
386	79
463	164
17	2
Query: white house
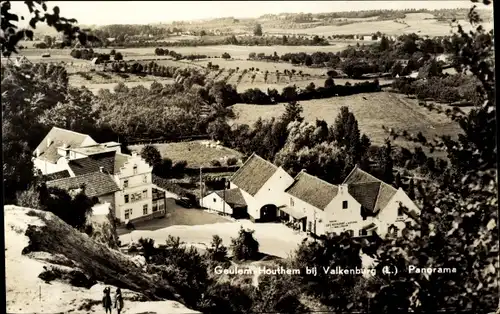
387	209
123	181
262	186
361	205
52	153
229	202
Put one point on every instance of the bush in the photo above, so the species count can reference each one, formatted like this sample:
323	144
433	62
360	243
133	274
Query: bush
215	163
245	247
231	161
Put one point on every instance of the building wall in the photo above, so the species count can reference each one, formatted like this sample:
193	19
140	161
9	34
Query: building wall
389	215
339	219
272	192
138	182
47	167
215	202
313	214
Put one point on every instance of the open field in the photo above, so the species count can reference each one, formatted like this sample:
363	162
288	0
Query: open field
378	109
420	23
194	152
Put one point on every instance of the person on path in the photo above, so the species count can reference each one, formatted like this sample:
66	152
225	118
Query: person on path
106	300
118	300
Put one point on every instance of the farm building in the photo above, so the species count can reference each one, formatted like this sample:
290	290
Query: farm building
361	205
228	202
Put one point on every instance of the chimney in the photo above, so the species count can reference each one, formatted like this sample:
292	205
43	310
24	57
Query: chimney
101	169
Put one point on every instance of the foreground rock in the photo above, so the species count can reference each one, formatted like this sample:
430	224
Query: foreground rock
52	268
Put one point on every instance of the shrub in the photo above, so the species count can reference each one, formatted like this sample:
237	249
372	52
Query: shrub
245	247
231	161
215	163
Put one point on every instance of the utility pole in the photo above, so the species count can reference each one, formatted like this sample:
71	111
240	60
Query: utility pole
224	198
201	188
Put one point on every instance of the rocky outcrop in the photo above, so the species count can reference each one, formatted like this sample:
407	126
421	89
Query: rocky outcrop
51	267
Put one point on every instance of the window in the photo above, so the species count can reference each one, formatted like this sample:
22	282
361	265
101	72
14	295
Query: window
215	200
125	184
344	205
145	194
310	226
145	179
350	232
128	213
155	207
400	211
135	169
162	206
362	232
291	201
126	199
145	209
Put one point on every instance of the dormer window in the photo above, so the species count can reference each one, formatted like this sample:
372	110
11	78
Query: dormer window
344	205
135	169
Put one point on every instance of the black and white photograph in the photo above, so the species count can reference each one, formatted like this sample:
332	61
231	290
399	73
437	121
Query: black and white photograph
174	157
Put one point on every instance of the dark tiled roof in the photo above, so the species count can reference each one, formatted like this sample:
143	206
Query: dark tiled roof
233	197
366	194
59	137
57	175
372	193
96	183
312	190
253	174
359	176
110	161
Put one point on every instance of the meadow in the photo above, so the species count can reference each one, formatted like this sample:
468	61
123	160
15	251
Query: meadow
372	111
196	153
419	23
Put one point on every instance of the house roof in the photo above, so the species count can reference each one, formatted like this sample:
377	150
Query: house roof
254	173
292	211
57	175
96	149
110	161
232	197
372	193
96	183
312	190
59	137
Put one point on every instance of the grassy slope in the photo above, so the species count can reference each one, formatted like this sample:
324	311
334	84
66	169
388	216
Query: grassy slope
194	152
392	110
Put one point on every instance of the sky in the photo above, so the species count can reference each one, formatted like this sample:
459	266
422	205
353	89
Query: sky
146	12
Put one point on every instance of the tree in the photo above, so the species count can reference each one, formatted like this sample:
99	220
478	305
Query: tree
308	61
118	56
244	247
226	55
257	31
293	112
12	35
217	252
386	163
329	83
151	155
